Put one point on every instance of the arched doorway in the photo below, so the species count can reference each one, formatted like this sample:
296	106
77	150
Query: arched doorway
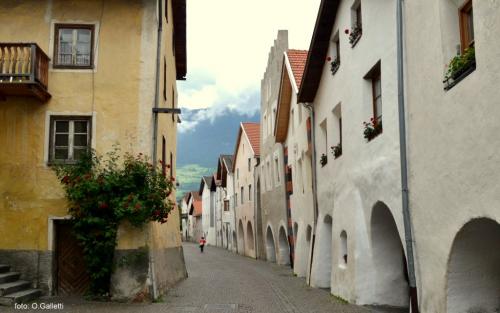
250	238
270	247
241	238
391	278
474	268
235	242
322	267
284	247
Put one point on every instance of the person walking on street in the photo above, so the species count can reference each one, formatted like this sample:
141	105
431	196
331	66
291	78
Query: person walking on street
202	243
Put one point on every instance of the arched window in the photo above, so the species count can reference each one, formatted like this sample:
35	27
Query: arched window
343	248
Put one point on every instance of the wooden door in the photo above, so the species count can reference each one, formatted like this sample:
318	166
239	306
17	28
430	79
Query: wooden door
72	277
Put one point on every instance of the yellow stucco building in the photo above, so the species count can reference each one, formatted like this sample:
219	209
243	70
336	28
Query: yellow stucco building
78	74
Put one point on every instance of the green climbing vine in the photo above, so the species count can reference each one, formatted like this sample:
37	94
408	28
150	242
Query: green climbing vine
104	191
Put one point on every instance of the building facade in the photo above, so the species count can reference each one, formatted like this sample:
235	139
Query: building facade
453	157
271	173
207	193
350	81
246	158
225	175
293	130
79	85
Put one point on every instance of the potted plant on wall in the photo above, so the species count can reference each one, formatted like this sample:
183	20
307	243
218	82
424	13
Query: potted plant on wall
354	34
334	65
372	129
337	150
323	160
460	66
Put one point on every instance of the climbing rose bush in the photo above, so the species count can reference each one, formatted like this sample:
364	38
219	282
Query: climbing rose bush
102	193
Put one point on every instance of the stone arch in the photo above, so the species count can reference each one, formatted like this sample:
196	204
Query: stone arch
270	247
250	237
389	260
241	238
235	242
473	275
322	267
284	247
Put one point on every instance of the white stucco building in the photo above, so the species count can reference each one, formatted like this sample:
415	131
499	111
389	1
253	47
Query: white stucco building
273	232
293	131
207	194
349	80
454	153
225	176
246	157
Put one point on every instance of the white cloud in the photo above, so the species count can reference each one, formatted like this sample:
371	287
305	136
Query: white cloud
228	45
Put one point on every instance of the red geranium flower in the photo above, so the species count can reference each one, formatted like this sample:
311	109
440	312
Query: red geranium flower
346	31
328	59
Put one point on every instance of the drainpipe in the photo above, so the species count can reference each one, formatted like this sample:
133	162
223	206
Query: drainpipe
310	108
404	163
155	130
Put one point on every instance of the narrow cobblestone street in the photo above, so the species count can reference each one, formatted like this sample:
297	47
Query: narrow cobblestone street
222	282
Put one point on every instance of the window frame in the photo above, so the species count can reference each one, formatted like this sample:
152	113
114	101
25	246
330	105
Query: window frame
464	12
52	139
57	28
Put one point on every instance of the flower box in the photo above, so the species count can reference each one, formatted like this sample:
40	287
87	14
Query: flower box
337	150
460	66
323	160
355	35
334	66
372	129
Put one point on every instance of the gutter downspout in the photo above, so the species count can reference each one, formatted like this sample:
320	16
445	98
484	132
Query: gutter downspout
155	132
310	108
404	162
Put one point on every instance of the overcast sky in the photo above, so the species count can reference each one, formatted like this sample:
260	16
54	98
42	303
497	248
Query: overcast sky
228	42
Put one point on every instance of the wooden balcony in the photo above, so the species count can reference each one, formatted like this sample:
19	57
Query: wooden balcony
24	71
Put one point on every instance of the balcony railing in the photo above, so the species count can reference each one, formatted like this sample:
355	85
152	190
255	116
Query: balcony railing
24	71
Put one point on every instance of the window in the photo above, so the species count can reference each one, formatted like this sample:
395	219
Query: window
276	170
171	165
292	121
166	10
226	205
377	97
163	156
466	26
324	133
173	103
358	22
249	192
235	199
70	138
237	173
242	193
73	46
374	77
165	79
249	164
343	249
337	131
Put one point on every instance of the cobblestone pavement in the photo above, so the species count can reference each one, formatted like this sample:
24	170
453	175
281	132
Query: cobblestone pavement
222	282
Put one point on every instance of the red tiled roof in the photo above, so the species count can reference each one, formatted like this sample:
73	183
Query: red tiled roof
253	133
197	208
297	59
196	204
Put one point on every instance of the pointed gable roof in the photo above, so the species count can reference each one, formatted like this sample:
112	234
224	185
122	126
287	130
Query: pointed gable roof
252	131
297	62
294	62
318	49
